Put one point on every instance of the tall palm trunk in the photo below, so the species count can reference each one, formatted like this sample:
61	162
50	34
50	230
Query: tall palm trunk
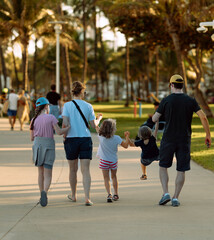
4	70
85	64
104	65
34	67
25	68
66	62
95	52
157	71
178	51
15	70
127	72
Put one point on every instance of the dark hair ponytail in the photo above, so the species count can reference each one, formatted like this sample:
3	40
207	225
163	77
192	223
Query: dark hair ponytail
37	112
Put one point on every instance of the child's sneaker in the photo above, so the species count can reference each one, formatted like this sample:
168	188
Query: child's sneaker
115	197
109	198
143	177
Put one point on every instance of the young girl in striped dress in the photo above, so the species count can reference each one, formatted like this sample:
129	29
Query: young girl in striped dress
107	152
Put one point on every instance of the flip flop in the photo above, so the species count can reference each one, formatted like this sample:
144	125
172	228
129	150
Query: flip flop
70	198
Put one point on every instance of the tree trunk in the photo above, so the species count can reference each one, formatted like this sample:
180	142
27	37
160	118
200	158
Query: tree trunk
197	92
4	70
67	70
104	65
157	71
127	72
34	67
95	53
1	88
84	43
179	55
200	99
25	83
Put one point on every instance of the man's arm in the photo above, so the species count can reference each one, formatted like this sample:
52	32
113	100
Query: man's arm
155	133
156	117
206	127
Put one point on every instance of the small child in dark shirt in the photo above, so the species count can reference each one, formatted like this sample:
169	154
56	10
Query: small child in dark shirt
147	142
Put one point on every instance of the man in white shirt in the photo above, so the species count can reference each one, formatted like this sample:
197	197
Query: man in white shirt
12	109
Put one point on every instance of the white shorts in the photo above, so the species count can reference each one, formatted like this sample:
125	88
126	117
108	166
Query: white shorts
107	165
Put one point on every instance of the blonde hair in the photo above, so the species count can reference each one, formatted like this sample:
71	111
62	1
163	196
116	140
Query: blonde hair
144	132
77	87
108	128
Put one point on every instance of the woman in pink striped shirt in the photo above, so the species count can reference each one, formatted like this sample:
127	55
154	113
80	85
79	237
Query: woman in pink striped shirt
107	153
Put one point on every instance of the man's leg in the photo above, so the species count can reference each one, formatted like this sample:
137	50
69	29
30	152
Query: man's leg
14	120
10	121
164	178
73	167
179	182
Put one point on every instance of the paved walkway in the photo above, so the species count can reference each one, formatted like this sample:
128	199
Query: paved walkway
135	216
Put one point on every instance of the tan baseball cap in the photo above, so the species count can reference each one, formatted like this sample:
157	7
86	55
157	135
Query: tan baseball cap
176	79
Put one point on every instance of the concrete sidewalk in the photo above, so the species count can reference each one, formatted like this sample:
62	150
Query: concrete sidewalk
136	215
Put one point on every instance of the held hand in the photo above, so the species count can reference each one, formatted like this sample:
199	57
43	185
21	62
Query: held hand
127	134
99	116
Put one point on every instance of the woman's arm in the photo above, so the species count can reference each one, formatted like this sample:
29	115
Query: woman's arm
95	123
61	131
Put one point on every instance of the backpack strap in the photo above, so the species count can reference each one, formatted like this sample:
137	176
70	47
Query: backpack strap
82	115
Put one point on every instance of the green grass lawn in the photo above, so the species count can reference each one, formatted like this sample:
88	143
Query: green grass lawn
127	122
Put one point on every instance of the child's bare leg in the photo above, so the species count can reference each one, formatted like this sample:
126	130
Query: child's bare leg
143	169
107	181
114	181
41	178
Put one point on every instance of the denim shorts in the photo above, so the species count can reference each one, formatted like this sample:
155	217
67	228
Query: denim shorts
181	149
11	112
148	161
78	147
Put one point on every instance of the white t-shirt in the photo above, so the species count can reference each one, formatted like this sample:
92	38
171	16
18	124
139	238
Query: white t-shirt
13	101
78	127
108	148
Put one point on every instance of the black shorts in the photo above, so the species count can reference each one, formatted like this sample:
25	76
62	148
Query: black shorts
181	149
78	147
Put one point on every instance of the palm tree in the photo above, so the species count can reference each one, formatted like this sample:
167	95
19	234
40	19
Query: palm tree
23	17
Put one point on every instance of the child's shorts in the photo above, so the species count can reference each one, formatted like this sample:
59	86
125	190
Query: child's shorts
107	165
148	161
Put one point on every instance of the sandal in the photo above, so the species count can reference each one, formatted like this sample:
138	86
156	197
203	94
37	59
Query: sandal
115	197
109	198
71	199
143	177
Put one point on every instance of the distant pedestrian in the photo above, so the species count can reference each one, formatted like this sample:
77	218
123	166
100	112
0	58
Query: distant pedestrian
12	108
150	151
42	127
54	100
23	109
107	152
78	143
178	109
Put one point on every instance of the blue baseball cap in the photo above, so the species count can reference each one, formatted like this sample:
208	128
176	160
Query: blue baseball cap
42	101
